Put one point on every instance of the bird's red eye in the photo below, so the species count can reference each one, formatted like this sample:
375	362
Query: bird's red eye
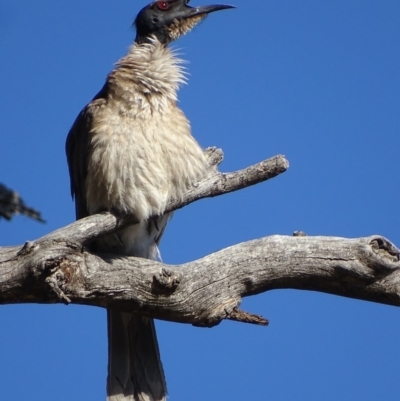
162	5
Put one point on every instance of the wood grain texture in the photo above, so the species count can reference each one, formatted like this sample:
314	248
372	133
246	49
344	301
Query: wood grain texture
57	268
205	291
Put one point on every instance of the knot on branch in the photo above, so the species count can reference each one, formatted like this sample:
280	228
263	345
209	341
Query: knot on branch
27	248
385	249
164	283
60	273
299	234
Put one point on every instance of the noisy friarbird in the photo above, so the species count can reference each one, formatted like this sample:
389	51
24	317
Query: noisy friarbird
131	150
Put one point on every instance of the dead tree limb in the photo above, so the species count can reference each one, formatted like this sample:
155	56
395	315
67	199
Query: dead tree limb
214	184
12	204
57	268
205	291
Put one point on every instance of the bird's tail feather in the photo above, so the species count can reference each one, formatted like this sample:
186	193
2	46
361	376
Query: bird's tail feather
135	371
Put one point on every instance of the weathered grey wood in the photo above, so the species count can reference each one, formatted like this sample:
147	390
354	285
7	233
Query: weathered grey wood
205	291
57	268
214	184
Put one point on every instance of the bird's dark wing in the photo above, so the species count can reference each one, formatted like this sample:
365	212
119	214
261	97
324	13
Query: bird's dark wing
77	148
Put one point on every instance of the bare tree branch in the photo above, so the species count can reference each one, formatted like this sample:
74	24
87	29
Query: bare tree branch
11	204
57	268
205	291
214	184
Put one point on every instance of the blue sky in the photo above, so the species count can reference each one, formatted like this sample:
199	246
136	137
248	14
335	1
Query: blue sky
317	81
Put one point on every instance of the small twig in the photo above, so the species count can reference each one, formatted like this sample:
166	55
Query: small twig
245	317
215	184
11	204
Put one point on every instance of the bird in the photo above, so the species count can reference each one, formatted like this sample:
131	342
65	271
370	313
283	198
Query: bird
131	150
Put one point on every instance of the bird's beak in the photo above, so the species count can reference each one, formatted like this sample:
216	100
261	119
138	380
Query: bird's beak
188	12
209	9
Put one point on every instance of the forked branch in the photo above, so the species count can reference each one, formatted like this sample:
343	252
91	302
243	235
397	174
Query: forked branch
214	184
58	268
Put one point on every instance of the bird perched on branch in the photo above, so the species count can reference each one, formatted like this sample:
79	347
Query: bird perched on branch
131	150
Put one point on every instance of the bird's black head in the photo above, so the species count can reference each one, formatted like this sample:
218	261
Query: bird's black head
170	19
